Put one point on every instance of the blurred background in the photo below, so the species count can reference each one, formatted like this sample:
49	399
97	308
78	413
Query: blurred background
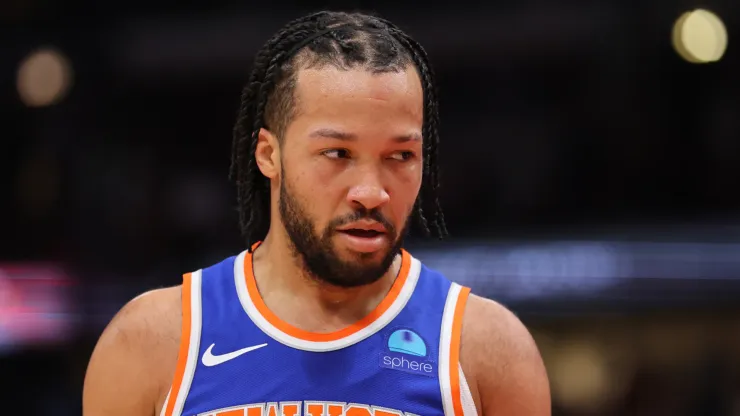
591	180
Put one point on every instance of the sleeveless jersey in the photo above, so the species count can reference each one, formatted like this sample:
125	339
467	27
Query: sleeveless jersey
237	358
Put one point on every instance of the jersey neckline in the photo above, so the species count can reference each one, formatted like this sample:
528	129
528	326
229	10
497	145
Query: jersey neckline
285	333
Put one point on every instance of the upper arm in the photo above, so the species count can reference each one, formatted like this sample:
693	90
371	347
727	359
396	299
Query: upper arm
508	372
132	358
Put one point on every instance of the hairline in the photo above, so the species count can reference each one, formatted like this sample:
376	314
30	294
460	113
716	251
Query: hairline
279	115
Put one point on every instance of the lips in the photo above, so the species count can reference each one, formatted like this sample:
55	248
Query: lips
364	228
364	236
358	232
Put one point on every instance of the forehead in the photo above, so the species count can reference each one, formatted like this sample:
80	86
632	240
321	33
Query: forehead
358	96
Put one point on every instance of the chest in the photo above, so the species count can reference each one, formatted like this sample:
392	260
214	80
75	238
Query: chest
394	372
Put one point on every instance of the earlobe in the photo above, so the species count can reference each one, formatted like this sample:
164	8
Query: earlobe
267	154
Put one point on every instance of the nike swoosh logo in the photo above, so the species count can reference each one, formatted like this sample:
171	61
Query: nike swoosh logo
210	360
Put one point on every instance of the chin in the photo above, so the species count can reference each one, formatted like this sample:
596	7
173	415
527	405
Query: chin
347	253
348	268
353	257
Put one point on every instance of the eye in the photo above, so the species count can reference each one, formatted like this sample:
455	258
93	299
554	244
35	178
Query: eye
336	153
403	156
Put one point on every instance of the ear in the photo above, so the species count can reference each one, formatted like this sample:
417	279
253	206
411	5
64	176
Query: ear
267	154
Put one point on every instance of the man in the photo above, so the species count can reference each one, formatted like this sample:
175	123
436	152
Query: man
335	155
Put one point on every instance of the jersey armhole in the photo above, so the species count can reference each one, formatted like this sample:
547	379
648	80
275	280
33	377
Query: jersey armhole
187	356
451	379
466	397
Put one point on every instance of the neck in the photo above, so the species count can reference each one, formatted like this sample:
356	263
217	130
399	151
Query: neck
301	300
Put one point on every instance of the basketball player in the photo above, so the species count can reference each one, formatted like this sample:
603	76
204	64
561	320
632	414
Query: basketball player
335	156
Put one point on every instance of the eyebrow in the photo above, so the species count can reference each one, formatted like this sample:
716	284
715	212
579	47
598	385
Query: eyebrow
345	136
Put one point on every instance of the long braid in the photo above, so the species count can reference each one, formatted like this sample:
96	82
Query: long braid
430	131
252	187
266	102
260	193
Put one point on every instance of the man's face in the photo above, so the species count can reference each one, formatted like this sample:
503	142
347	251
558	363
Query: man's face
351	170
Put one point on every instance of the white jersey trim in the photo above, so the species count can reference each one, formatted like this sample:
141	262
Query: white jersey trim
468	404
323	346
166	402
445	354
196	323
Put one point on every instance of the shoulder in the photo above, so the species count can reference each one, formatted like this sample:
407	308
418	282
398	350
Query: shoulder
153	314
502	361
135	357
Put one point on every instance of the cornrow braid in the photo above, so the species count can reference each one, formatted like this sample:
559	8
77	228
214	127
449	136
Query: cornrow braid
344	40
430	130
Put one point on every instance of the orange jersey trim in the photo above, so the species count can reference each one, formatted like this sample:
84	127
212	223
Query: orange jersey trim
285	327
455	339
182	357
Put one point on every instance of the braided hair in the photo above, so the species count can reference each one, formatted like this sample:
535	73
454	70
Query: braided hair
343	40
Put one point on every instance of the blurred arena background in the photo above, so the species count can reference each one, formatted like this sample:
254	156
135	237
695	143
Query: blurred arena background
591	180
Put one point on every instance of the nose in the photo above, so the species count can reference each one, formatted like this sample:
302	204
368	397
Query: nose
368	192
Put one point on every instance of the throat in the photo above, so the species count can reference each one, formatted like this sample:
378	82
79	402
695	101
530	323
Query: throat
308	305
319	309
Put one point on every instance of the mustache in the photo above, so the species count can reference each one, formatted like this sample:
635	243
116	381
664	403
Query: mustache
358	215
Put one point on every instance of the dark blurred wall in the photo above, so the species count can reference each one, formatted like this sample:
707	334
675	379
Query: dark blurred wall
566	129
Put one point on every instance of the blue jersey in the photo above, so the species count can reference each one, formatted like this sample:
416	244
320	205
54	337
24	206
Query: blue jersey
237	358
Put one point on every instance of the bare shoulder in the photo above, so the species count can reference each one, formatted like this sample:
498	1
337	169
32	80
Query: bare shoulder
502	362
135	358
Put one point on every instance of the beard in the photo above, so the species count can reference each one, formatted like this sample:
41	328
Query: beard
317	251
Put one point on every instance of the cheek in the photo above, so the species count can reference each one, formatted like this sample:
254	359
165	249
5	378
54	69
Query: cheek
303	174
323	172
411	175
407	184
314	189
